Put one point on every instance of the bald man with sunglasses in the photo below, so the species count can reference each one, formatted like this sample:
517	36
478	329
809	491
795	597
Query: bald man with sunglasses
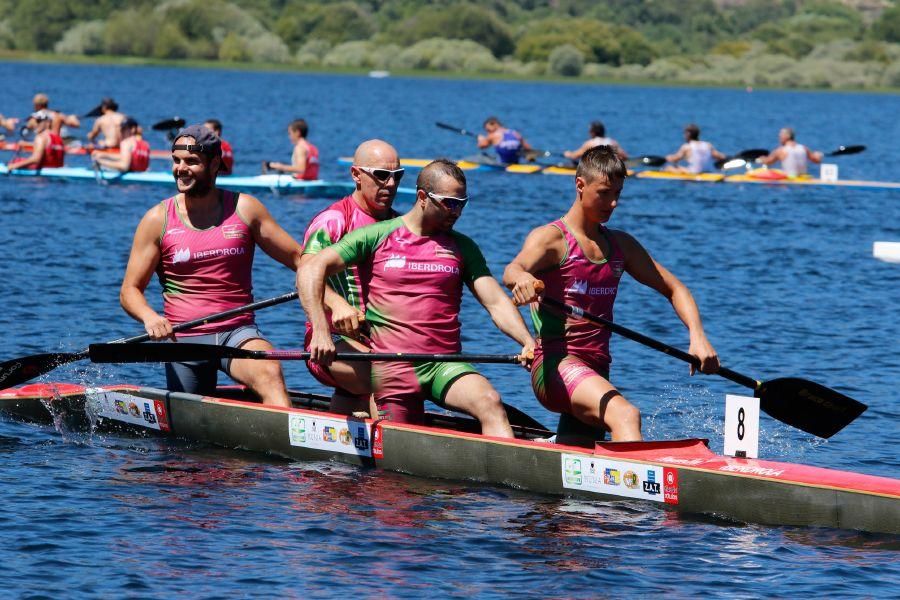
412	269
376	172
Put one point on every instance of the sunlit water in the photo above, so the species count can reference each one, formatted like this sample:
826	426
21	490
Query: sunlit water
784	278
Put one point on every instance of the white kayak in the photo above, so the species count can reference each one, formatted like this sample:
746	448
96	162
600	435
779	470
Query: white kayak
270	181
887	251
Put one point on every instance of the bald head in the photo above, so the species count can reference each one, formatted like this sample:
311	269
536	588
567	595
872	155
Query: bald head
375	153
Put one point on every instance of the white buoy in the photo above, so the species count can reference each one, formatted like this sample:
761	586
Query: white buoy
887	251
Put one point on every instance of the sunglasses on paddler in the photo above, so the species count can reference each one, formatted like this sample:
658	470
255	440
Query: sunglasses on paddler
383	175
451	203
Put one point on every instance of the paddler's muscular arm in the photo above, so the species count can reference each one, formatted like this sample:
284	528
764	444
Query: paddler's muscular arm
37	153
773	157
268	234
543	249
344	317
312	291
120	161
298	162
503	312
640	265
145	256
682	153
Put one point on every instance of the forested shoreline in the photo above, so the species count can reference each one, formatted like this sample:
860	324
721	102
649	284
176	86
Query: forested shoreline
850	44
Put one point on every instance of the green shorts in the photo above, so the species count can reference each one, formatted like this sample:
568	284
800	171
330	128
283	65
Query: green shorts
402	387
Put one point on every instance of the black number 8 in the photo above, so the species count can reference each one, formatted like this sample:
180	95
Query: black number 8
740	427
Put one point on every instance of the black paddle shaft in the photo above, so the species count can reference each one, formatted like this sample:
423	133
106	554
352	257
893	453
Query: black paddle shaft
734	376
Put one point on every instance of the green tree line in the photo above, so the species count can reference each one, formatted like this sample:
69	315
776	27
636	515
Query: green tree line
803	43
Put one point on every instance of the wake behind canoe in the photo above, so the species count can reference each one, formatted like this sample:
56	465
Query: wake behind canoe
681	475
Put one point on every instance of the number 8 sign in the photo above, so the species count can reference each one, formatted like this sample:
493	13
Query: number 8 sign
741	426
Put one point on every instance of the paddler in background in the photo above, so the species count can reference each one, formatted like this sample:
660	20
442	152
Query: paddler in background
377	173
580	262
200	243
8	123
134	151
215	126
509	144
414	267
699	155
109	123
305	157
48	149
59	122
597	137
793	156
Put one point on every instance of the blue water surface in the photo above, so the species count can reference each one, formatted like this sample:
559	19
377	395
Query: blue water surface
784	278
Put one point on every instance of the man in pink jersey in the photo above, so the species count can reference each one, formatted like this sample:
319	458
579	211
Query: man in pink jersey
414	267
580	262
376	172
305	157
200	243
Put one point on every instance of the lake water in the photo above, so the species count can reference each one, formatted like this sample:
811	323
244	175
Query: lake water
784	278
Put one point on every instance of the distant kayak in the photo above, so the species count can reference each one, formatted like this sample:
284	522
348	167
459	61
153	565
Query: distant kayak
27	147
676	176
275	182
468	165
778	177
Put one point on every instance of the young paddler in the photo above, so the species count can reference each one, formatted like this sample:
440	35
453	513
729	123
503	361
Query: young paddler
698	154
48	149
200	243
305	156
376	172
414	267
580	263
215	126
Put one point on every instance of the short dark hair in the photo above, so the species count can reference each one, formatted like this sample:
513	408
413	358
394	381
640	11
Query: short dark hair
492	120
216	125
436	169
598	129
300	126
601	160
692	130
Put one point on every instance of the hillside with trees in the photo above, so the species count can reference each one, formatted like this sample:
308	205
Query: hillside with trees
783	43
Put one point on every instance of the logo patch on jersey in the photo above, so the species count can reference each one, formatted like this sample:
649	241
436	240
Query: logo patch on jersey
618	267
579	287
395	262
174	231
401	241
232	232
444	252
181	255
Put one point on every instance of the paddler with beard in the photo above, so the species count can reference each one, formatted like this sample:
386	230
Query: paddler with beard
200	243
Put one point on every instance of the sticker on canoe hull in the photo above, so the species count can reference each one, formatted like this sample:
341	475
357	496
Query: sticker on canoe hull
344	436
126	408
620	478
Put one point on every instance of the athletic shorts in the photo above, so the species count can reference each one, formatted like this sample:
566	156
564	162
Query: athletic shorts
402	387
200	377
322	374
554	378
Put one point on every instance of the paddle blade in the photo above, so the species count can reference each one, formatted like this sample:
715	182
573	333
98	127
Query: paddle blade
160	352
808	405
648	161
25	368
752	154
842	150
95	112
734	163
168	124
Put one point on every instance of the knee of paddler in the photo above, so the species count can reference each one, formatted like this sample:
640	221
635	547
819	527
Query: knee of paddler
489	403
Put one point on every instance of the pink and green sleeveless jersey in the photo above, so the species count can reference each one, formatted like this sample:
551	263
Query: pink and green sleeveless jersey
580	282
414	284
329	227
204	271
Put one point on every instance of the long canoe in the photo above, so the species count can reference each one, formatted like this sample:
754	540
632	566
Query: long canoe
27	147
679	475
276	182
